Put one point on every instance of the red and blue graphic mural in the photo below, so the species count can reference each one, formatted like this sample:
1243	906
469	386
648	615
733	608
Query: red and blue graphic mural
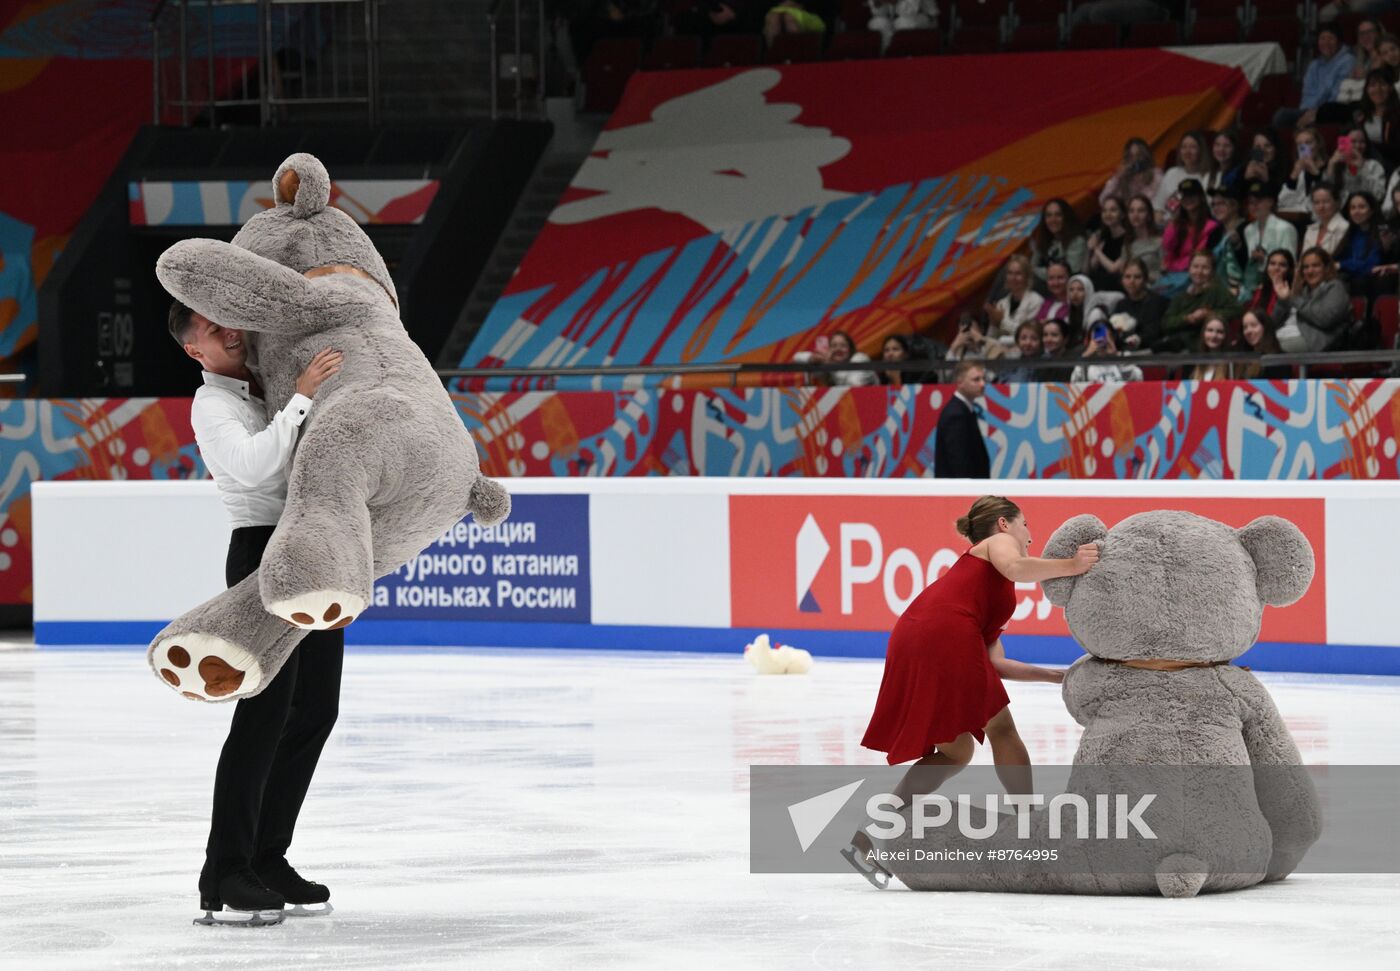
732	215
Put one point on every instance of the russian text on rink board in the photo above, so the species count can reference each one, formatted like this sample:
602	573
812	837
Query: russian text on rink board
532	567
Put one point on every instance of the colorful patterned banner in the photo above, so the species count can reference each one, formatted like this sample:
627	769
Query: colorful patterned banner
116	438
231	203
732	215
75	84
1149	430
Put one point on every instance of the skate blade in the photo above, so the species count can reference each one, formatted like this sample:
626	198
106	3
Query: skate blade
240	918
310	910
878	876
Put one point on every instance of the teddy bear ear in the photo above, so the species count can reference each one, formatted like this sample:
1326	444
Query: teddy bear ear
1283	559
1071	535
303	183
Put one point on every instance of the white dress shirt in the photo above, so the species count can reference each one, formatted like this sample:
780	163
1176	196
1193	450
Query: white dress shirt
248	456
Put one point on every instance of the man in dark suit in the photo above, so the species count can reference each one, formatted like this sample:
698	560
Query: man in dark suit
958	449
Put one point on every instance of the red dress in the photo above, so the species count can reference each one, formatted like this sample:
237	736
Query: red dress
939	681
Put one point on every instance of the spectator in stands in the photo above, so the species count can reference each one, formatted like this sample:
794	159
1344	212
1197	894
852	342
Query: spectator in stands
1138	174
1083	299
1118	12
972	341
1211	340
1361	249
1226	167
1100	348
1378	115
1388	55
1106	247
1193	161
1058	236
1190	231
1057	287
1364	52
1145	307
1389	207
1323	78
1258	335
1054	338
1028	347
838	348
896	350
1144	239
1020	304
959	451
1316	313
1231	255
1264	164
1278	279
1350	170
1309	163
792	17
1203	298
1329	226
1264	233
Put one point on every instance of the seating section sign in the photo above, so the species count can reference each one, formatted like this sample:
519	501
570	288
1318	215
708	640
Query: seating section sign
532	567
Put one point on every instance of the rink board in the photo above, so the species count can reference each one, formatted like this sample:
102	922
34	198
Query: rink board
704	564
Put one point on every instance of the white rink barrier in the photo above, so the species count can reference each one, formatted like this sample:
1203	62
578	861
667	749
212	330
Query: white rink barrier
704	564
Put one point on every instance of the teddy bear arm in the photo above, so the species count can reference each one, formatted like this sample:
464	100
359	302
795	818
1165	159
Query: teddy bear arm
1285	791
1083	688
236	288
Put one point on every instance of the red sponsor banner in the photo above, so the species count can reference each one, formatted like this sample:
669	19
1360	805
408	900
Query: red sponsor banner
856	562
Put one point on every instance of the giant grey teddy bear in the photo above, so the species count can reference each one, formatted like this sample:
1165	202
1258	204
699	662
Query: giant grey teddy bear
383	466
1174	598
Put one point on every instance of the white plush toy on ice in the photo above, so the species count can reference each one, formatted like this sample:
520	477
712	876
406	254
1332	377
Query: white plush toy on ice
782	660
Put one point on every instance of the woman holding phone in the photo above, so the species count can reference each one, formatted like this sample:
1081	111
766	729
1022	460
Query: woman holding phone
1101	348
942	692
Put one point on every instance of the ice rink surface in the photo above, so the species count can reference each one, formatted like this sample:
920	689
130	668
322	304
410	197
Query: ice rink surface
526	809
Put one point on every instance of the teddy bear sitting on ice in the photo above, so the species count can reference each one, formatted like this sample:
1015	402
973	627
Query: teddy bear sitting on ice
1173	600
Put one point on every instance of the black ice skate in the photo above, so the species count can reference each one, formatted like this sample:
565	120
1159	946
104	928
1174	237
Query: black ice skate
306	898
241	901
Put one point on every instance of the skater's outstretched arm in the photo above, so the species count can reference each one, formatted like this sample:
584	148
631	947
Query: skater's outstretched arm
1005	554
1012	670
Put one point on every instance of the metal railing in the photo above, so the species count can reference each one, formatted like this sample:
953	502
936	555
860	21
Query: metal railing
516	59
924	365
215	61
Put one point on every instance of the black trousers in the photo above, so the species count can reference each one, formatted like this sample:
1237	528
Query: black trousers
274	741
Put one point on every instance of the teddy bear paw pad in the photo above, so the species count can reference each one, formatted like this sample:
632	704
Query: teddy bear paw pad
320	609
203	667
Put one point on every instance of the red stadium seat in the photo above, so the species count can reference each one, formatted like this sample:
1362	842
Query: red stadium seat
611	62
1358	308
1159	34
1218	9
1217	30
1092	37
980	13
734	50
1278	8
915	43
1035	37
854	45
1387	311
669	53
1286	32
975	40
1039	11
795	48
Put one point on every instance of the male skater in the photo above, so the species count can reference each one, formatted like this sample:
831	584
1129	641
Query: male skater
275	737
